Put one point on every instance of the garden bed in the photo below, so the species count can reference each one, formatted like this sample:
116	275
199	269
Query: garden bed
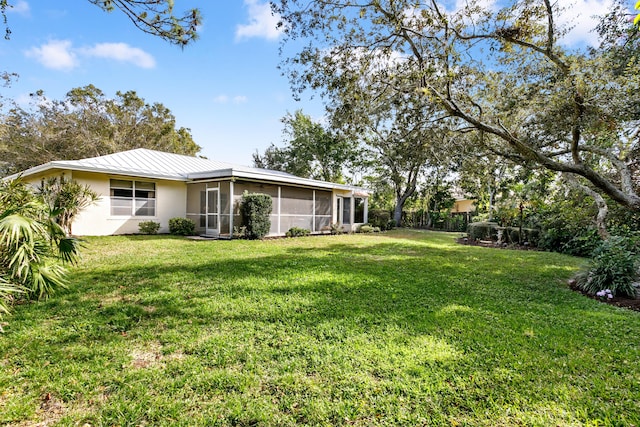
624	302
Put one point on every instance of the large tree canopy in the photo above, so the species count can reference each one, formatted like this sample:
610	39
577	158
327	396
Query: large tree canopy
155	17
87	124
310	150
499	72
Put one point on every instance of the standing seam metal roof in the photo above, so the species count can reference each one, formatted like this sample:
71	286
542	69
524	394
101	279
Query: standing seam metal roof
151	163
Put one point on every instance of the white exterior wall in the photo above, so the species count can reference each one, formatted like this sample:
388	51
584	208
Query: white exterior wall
96	220
349	197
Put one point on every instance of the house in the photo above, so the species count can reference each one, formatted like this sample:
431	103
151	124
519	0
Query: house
463	205
146	185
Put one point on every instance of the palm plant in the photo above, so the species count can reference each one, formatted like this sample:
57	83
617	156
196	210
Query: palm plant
66	198
33	247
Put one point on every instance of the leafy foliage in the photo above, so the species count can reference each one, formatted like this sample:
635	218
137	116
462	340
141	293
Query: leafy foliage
380	218
483	230
311	151
66	199
149	227
529	99
297	232
182	226
255	209
33	247
87	124
614	266
155	17
367	228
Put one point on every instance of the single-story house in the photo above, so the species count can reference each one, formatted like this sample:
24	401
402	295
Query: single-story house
146	185
463	205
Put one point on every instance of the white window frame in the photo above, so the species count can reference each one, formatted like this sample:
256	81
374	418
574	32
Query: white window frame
133	198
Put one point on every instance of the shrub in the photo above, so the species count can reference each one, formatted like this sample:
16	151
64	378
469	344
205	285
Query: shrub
255	209
365	228
336	228
149	227
182	226
573	242
239	232
614	266
380	218
483	230
297	232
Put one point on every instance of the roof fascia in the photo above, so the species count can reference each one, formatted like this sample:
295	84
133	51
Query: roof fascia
261	176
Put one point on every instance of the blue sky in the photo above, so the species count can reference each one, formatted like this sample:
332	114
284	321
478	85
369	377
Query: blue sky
225	87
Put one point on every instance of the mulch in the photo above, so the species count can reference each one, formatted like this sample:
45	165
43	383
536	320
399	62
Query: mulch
624	302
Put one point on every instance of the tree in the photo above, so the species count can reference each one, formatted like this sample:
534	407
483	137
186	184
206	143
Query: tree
86	124
311	151
33	247
498	72
155	17
404	144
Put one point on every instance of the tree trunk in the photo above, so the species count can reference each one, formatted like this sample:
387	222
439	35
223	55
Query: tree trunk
491	197
603	208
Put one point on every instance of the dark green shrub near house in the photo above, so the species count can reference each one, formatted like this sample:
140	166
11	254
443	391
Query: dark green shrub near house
255	209
149	227
297	232
483	230
182	226
380	218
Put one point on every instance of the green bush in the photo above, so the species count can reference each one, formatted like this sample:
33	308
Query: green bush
297	232
182	226
567	225
255	209
614	266
483	231
149	227
367	228
570	241
380	218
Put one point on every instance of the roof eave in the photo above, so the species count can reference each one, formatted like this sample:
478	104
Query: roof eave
121	172
235	173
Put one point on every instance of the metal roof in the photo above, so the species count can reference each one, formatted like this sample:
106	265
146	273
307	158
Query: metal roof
142	162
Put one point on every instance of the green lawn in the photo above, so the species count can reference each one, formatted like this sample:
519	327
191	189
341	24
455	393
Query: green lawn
403	328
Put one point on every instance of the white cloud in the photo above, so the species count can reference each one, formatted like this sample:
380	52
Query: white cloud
21	7
61	55
121	52
583	15
225	99
262	23
57	55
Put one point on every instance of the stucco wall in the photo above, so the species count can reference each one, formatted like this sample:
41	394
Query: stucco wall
463	205
96	220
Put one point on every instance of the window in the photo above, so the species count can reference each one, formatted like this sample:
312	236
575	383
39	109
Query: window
346	210
133	198
359	211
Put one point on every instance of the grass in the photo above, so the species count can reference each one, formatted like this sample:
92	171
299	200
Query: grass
403	328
